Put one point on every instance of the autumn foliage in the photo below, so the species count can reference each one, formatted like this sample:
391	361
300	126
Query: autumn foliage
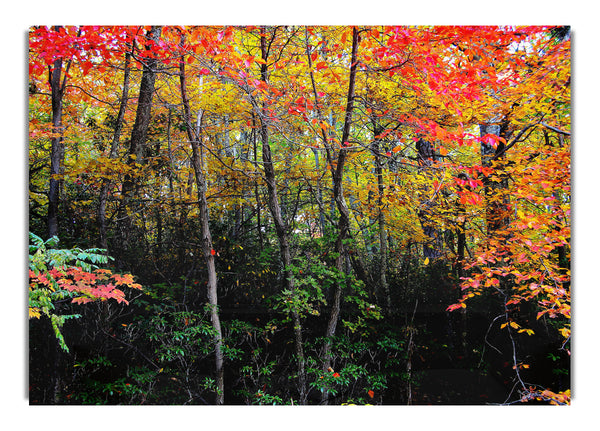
100	284
339	178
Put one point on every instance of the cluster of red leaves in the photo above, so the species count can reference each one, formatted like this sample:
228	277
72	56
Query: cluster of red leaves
101	284
85	44
420	51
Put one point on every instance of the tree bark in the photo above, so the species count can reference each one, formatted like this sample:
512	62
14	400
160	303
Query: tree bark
344	219
55	149
207	245
138	134
319	193
432	248
256	187
280	226
383	241
492	156
114	147
56	145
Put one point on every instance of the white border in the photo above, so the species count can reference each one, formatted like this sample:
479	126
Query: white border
578	14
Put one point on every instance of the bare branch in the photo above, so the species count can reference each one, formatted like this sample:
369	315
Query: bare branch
555	129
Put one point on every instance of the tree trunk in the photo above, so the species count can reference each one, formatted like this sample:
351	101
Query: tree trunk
344	220
319	193
138	135
492	156
114	146
337	177
383	241
280	226
207	245
459	261
432	248
56	146
256	187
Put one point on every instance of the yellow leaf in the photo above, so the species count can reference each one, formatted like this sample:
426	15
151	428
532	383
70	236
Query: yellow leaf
514	325
426	261
34	312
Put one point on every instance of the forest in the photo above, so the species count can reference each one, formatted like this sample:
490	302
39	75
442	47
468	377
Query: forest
299	215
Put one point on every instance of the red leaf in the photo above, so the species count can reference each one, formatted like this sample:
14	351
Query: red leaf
213	252
455	307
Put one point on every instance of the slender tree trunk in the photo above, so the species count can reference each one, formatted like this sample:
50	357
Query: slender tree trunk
492	156
344	219
319	193
280	226
383	241
256	187
207	245
57	83
138	135
56	146
432	248
114	147
461	245
355	259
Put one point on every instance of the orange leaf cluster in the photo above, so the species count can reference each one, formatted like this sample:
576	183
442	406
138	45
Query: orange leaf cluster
101	284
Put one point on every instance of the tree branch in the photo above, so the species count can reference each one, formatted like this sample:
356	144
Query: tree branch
557	130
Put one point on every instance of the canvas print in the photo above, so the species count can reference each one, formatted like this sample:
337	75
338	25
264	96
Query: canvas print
299	215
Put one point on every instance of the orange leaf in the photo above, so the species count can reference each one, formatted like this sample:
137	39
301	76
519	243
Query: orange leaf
344	37
371	393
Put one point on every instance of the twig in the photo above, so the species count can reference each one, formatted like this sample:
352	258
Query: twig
486	339
555	129
130	346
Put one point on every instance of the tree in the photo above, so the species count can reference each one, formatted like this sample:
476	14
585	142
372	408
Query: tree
114	147
195	137
343	226
274	206
404	168
139	132
57	81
